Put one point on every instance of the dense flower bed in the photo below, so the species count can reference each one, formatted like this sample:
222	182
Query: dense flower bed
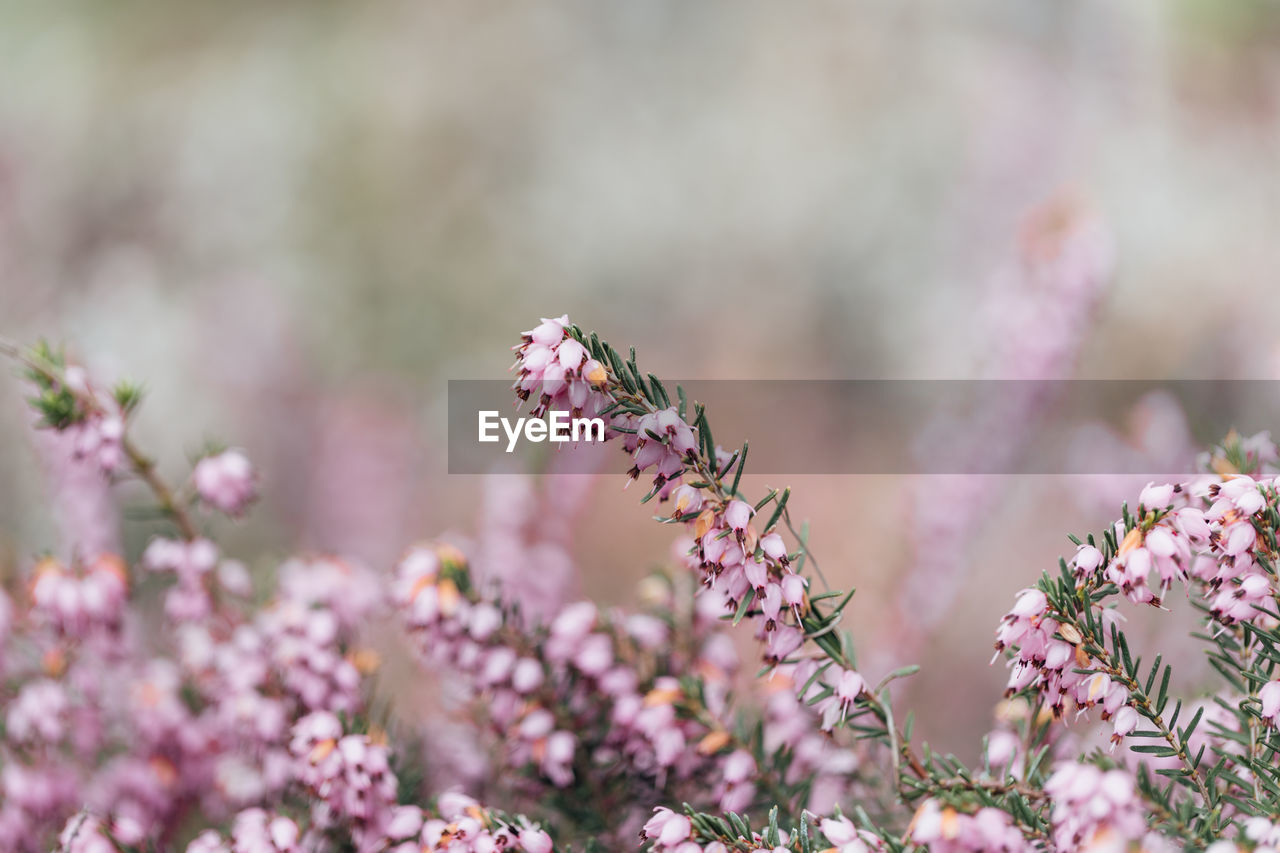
247	719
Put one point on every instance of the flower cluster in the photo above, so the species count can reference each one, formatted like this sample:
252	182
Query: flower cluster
1049	655
1093	807
98	435
80	601
250	715
225	481
1202	533
556	370
459	824
745	563
592	698
988	830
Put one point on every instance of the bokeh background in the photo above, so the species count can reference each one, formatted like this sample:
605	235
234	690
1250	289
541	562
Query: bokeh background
295	221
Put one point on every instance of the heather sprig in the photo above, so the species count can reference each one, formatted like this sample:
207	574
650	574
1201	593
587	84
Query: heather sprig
67	400
1203	770
745	562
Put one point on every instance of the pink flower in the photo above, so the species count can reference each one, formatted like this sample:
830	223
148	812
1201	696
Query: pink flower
1087	560
553	368
557	760
535	841
667	828
527	675
594	655
1002	747
1240	538
84	834
571	354
686	499
738	515
549	332
1269	693
40	712
943	829
774	548
848	686
771	605
839	831
1090	804
575	621
226	481
793	587
782	643
1124	722
1156	497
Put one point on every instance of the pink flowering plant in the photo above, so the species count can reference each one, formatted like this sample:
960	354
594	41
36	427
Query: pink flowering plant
250	720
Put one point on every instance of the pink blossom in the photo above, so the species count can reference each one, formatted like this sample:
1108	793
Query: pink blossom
226	481
774	548
1091	804
1156	497
1124	722
535	841
686	499
738	515
667	828
1269	693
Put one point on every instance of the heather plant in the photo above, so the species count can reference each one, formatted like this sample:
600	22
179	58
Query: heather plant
252	719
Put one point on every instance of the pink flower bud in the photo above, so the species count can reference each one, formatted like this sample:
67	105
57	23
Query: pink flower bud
1251	502
537	724
595	654
739	766
1030	603
839	831
453	804
405	821
571	354
771	603
1240	537
1191	521
849	686
668	828
575	621
1002	747
535	841
1156	497
527	676
783	642
737	515
594	372
1088	558
549	332
1124	722
1270	696
484	619
774	547
553	381
793	589
225	481
686	499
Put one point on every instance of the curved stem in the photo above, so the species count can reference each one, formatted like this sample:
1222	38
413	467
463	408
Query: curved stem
145	469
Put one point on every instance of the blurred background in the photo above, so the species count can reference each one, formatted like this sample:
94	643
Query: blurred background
295	221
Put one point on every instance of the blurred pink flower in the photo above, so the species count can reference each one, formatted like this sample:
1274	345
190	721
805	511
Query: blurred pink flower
226	481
